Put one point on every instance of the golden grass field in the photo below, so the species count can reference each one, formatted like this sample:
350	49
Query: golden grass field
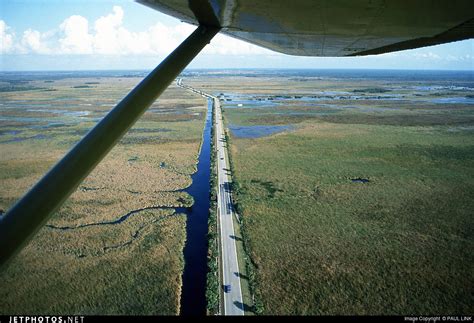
77	263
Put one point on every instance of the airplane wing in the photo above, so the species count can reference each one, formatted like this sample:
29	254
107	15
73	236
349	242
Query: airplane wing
330	27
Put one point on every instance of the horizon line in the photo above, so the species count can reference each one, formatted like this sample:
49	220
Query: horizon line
247	69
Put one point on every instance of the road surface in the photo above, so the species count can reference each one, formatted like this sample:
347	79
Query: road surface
232	300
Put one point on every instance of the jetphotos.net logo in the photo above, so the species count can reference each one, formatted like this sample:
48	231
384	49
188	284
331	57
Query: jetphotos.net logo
45	319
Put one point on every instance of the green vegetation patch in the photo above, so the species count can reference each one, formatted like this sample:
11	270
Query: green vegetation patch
82	87
268	186
398	244
372	90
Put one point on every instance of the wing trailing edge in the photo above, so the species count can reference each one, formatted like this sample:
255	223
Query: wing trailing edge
330	27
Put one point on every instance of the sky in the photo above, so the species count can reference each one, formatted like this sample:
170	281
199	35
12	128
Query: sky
106	34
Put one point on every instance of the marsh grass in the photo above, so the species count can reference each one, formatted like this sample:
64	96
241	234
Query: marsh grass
322	244
134	280
398	244
79	264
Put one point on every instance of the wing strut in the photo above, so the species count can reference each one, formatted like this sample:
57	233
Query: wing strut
32	211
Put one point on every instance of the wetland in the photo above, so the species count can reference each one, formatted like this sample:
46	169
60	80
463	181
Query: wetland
116	245
372	185
354	189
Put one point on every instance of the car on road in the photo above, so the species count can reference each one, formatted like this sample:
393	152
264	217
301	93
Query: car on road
227	288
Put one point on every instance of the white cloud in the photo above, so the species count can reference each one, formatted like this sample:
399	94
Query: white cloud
75	36
226	45
33	41
164	39
6	38
109	37
465	57
427	55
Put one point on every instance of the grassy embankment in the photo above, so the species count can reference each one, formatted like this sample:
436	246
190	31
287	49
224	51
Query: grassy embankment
322	244
213	283
133	267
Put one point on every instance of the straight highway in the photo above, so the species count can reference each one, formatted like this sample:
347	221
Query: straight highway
231	292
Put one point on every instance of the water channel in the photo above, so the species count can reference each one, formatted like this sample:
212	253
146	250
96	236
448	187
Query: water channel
193	293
